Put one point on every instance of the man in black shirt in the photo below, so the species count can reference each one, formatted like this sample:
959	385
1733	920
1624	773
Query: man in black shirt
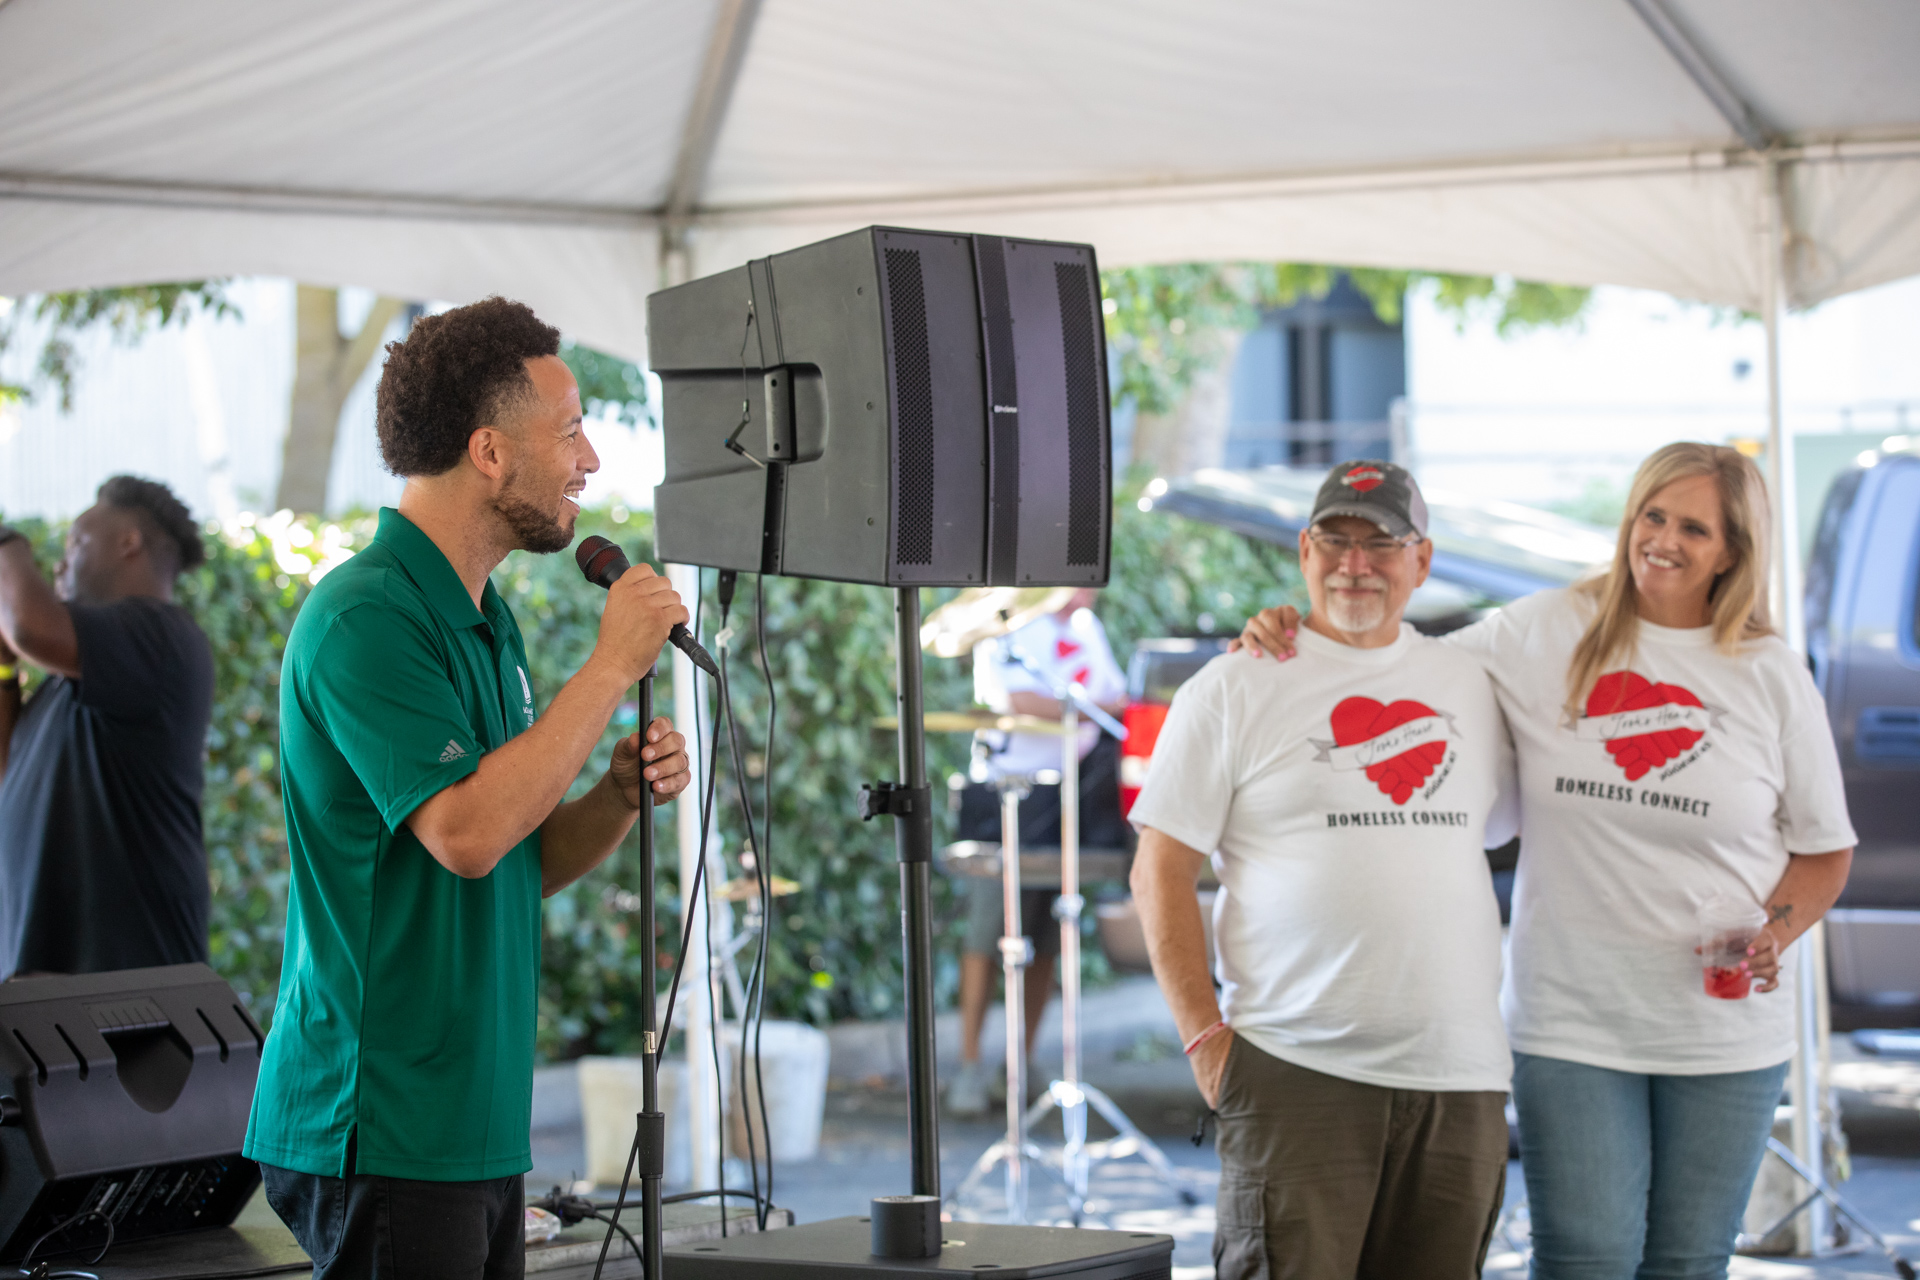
101	861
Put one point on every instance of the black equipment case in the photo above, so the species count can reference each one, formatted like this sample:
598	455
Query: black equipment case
123	1095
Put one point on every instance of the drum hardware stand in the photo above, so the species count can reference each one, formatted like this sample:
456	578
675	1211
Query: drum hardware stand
1069	1093
1822	1190
1016	953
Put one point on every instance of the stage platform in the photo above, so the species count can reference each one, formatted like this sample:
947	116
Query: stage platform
258	1245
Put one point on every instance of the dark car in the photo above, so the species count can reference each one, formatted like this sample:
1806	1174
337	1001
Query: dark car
1863	639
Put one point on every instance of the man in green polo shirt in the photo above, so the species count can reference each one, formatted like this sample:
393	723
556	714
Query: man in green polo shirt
425	817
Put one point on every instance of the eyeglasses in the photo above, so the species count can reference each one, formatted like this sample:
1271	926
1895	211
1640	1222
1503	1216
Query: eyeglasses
1378	550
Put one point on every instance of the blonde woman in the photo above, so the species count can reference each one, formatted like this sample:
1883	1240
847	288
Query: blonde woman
1672	750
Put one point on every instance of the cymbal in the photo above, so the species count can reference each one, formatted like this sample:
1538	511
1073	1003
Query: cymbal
746	888
985	613
973	721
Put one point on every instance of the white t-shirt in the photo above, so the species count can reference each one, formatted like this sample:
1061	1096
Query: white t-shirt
1348	797
1070	650
1731	769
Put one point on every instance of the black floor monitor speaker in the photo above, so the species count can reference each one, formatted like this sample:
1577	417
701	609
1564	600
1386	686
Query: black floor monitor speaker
895	407
126	1095
842	1249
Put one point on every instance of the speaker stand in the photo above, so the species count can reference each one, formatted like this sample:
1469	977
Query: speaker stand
843	1248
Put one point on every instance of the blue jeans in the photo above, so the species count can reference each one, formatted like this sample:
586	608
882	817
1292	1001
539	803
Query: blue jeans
1634	1175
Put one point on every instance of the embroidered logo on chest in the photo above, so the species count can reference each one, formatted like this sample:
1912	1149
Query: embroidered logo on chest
1643	724
1398	744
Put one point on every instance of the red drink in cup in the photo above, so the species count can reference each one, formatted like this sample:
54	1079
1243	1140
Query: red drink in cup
1728	927
1728	984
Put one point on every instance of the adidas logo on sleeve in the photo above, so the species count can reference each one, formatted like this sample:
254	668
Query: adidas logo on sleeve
453	752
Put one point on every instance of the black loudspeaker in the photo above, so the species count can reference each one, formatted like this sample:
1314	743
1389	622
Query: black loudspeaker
895	407
126	1095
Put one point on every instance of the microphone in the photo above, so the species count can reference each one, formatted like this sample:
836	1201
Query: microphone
603	562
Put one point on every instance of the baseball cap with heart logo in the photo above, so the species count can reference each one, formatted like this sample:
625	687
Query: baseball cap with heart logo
1380	493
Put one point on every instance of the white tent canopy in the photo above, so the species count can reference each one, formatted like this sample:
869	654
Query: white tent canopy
453	148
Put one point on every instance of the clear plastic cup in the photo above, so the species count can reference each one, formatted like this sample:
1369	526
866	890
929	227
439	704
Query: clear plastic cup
1728	926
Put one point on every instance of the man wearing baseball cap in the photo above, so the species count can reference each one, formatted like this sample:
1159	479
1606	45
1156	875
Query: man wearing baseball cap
1354	1056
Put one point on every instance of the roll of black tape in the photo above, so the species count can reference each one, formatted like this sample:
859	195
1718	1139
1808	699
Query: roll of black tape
906	1226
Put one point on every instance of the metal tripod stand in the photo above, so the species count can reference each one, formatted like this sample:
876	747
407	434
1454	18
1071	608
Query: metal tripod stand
1016	952
1076	1156
1069	1093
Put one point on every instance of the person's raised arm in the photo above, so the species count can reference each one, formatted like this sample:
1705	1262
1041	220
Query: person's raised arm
473	823
34	624
1164	882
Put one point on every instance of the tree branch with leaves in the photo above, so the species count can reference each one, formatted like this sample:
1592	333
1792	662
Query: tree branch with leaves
130	312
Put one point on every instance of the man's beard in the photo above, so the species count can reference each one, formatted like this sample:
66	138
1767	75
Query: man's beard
1356	617
533	528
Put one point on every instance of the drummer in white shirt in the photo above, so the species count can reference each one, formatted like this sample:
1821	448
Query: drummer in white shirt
1017	673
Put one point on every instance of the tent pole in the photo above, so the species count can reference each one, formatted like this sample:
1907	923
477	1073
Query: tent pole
1813	1230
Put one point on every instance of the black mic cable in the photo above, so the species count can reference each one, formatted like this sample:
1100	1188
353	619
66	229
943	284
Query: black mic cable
603	562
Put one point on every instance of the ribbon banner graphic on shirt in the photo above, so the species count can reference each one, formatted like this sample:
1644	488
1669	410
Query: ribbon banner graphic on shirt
1398	744
1642	723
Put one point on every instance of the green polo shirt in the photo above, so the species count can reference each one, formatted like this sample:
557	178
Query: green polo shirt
407	994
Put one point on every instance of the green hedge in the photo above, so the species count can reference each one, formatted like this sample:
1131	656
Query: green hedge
836	945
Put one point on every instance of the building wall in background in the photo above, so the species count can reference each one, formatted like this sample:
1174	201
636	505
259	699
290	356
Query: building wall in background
202	408
1551	416
1316	382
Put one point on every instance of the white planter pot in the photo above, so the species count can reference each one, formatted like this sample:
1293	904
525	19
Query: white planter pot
793	1066
610	1098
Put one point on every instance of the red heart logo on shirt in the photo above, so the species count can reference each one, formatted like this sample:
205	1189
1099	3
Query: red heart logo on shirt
1065	648
1619	691
1357	720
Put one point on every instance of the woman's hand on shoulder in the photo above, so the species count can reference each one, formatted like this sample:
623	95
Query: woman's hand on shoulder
1269	631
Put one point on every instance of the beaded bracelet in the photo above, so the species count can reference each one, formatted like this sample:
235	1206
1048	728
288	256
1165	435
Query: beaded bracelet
1203	1037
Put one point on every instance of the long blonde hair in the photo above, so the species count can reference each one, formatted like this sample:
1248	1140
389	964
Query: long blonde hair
1738	596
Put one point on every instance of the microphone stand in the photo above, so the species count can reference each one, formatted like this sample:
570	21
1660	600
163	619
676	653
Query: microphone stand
650	1124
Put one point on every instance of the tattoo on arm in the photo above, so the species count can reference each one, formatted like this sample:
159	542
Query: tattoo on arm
1780	913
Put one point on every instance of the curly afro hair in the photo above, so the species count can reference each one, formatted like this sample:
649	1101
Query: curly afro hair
454	372
164	520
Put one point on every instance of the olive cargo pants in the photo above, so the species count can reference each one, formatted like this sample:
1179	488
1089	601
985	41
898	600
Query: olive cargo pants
1327	1179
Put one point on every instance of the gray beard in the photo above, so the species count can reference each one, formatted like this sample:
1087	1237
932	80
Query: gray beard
1356	619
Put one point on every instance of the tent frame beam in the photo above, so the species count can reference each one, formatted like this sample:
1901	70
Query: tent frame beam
1735	110
346	204
719	77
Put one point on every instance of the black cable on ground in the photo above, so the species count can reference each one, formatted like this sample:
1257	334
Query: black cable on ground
614	1222
571	1209
55	1230
684	1196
